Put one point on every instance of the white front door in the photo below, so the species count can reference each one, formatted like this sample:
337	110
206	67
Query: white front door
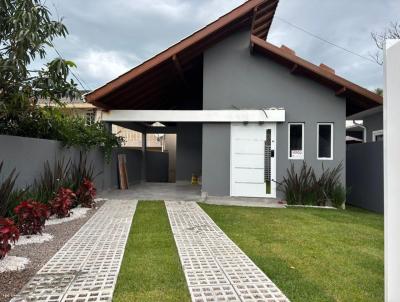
253	160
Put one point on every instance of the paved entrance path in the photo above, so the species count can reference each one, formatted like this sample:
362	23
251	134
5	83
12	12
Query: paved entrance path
86	267
215	268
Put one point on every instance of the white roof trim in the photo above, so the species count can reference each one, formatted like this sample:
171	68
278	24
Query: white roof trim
199	116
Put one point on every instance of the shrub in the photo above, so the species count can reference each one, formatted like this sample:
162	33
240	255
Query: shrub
31	216
29	120
51	180
299	187
86	194
82	170
6	191
305	188
62	203
8	234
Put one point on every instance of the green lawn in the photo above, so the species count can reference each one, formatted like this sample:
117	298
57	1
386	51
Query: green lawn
151	270
311	254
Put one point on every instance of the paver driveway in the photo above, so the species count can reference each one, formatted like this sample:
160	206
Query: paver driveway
86	267
215	268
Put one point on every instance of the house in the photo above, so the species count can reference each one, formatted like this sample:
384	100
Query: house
367	125
243	109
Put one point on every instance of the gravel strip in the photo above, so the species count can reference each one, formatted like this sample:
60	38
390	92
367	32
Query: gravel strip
39	254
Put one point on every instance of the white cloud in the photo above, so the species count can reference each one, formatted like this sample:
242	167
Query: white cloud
100	66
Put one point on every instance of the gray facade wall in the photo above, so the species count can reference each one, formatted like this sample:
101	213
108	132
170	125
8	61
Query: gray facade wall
364	174
216	159
233	77
372	123
28	156
188	150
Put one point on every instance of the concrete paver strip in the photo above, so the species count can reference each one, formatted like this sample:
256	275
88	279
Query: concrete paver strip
216	269
86	267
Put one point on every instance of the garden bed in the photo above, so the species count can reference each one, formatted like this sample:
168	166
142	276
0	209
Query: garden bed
39	254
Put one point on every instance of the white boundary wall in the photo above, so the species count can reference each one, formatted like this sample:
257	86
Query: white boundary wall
391	123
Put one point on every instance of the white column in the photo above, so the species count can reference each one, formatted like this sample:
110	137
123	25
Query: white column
391	120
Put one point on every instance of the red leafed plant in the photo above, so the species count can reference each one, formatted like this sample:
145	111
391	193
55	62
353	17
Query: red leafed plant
8	234
86	193
62	203
31	216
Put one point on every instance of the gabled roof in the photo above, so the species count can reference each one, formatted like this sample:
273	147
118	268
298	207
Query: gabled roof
358	97
175	60
162	81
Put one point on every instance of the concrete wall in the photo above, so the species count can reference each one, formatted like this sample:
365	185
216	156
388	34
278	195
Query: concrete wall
235	77
372	123
28	156
364	174
157	166
188	150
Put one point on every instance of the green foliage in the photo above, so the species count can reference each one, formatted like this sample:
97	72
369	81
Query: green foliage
51	180
25	119
6	191
26	31
304	187
80	171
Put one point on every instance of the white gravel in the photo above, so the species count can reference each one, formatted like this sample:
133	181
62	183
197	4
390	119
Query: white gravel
76	213
29	239
13	263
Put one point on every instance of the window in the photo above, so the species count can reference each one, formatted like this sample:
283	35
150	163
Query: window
325	141
377	135
296	140
90	117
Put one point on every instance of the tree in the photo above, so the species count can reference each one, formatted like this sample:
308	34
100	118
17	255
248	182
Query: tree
379	91
26	31
391	32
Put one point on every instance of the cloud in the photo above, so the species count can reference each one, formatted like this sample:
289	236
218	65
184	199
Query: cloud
101	66
109	37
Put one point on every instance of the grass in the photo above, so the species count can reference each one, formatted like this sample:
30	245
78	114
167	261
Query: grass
151	270
311	254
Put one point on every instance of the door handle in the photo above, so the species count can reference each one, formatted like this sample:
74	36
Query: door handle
272	153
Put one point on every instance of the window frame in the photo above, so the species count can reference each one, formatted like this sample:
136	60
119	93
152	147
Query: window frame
302	140
332	139
376	133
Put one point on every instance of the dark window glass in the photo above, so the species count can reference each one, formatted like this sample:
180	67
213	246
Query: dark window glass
296	141
325	141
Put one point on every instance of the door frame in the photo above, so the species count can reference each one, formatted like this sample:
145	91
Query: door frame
265	126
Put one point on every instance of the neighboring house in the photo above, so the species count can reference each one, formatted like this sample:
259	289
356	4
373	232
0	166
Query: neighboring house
367	125
91	113
243	109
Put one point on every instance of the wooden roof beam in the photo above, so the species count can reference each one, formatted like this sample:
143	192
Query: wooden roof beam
267	8
341	91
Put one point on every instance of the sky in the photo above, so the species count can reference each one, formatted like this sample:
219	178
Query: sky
109	37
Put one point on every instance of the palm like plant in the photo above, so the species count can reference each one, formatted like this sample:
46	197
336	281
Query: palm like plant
6	190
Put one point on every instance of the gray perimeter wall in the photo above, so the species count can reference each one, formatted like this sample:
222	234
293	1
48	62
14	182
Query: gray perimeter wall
28	156
365	175
188	150
372	123
235	77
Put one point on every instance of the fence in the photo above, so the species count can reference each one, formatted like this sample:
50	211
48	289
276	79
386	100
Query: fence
364	175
